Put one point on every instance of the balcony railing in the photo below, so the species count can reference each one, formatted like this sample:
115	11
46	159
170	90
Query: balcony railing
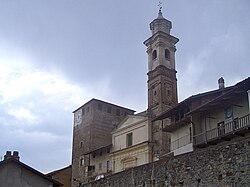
180	142
236	127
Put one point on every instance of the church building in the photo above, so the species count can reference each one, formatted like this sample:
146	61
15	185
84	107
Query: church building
108	138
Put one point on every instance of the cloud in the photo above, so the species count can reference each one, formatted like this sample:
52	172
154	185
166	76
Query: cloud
36	106
22	114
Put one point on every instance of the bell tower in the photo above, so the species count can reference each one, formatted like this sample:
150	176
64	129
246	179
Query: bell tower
162	82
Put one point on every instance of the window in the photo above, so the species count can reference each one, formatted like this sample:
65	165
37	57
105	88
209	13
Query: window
88	109
167	54
81	145
108	166
154	55
129	139
99	106
228	112
82	162
83	111
109	109
117	112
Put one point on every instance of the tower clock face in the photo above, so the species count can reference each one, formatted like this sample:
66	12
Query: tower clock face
78	117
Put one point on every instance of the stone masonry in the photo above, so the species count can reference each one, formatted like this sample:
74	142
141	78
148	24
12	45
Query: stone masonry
224	165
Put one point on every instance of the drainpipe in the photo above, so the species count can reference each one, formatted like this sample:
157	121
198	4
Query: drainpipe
248	100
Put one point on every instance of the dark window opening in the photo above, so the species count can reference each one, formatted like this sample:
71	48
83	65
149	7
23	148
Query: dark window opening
82	162
88	109
129	139
167	54
83	111
191	134
108	166
154	55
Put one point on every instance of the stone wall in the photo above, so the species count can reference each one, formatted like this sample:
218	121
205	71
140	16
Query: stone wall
224	165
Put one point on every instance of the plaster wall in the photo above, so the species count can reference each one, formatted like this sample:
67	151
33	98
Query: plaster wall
181	132
181	140
140	134
12	175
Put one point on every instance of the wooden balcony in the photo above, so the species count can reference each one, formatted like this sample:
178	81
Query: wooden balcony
237	127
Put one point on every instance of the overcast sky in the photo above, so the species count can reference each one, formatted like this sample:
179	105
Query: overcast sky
55	55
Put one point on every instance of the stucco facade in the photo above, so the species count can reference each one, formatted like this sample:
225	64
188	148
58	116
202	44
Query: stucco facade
131	143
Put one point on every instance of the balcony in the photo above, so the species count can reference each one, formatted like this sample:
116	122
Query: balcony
185	140
237	127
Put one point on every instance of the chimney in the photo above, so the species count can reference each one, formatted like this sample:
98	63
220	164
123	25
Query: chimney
221	83
16	155
9	156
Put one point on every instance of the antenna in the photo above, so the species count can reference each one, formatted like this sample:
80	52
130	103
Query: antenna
159	5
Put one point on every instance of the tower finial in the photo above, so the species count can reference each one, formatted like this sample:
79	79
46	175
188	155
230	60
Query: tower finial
159	5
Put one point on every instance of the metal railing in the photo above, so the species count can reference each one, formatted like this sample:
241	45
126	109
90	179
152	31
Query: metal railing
224	130
180	142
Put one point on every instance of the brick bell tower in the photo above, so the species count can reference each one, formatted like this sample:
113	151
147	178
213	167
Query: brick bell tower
162	82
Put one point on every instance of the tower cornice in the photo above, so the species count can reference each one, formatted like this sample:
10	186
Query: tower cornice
162	35
162	70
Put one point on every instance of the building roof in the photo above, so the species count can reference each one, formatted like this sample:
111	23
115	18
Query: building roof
17	162
237	89
57	171
222	93
103	102
129	121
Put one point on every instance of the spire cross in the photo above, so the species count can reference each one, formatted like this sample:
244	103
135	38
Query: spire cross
159	5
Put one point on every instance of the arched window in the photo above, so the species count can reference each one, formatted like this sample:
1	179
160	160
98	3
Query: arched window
167	54
154	55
